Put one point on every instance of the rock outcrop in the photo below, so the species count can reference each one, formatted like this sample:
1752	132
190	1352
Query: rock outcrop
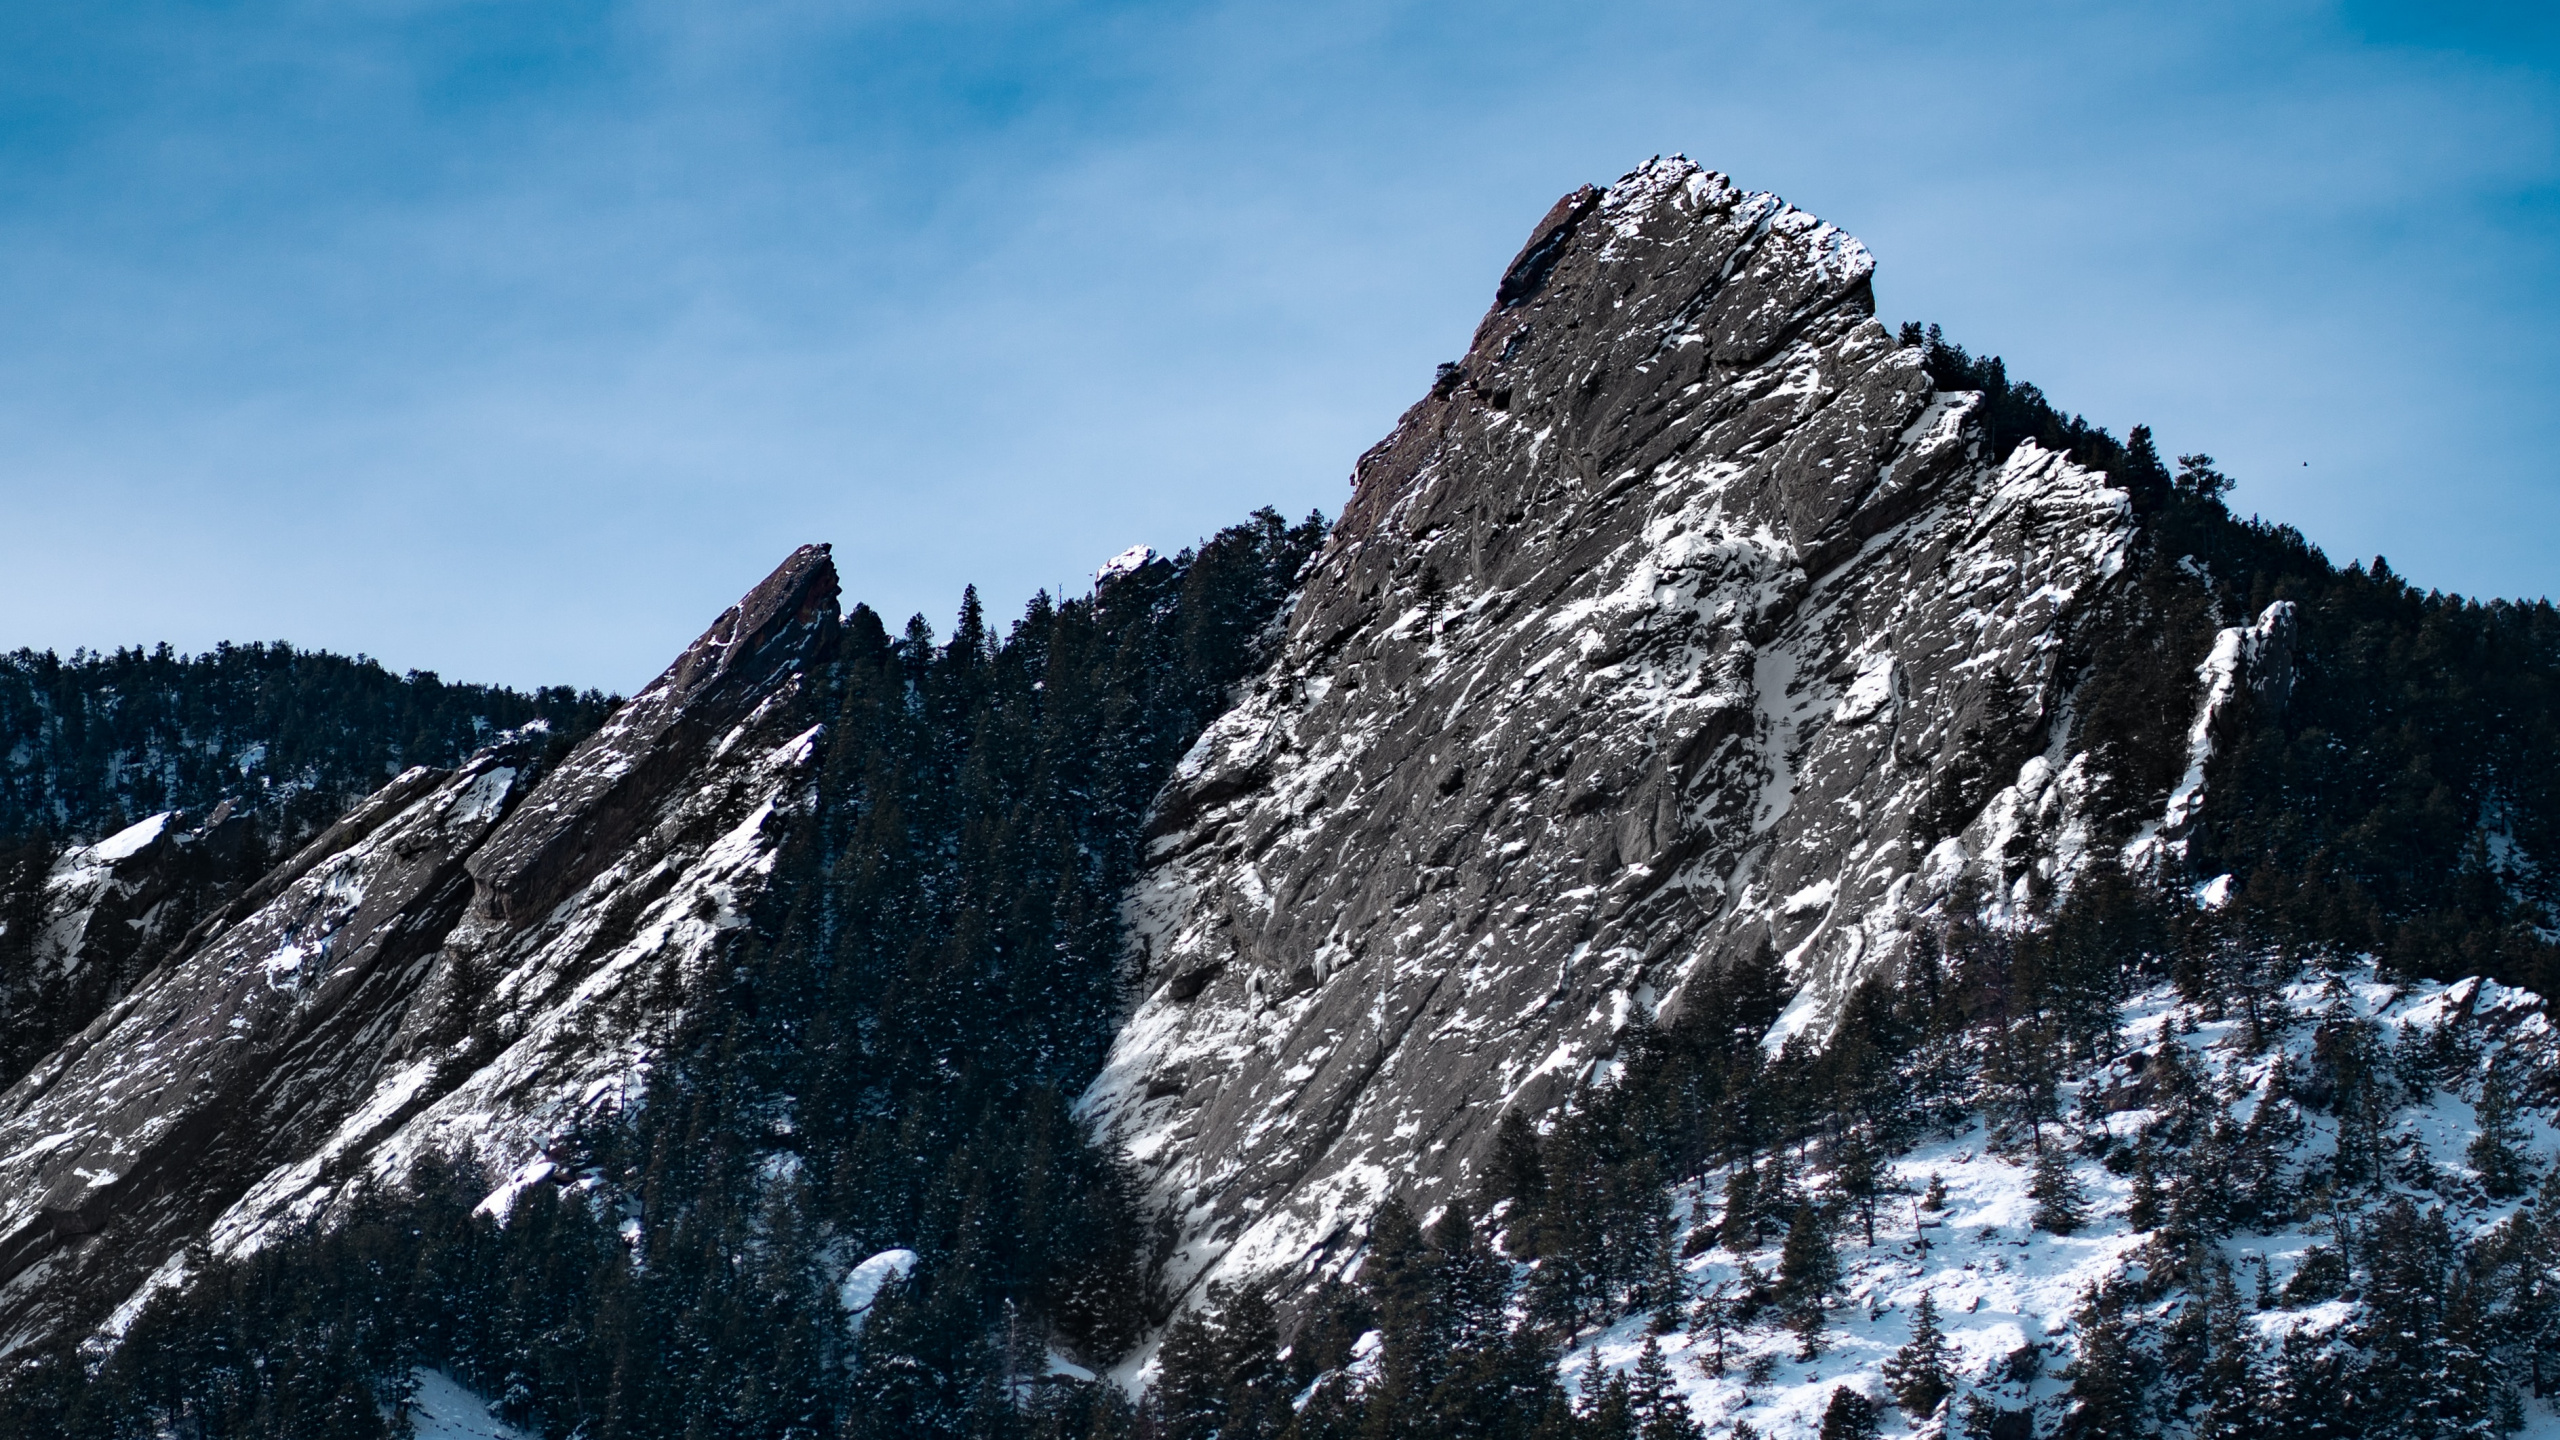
1683	617
112	908
459	964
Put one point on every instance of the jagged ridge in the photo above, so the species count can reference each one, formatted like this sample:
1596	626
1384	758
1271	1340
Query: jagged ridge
1640	647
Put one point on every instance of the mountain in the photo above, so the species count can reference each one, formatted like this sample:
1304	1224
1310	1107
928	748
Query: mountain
412	975
1647	641
1752	829
103	740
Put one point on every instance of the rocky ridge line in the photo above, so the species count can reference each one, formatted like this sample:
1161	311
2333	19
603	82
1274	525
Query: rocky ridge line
456	965
1642	644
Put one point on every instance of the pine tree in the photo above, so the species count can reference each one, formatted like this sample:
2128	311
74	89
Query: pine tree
2304	1389
1850	1416
2106	1379
1741	1231
2261	1189
2061	1207
1190	1396
1861	1178
2229	1380
2495	1151
2146	1207
1514	1172
2533	1305
1917	1376
1808	1271
1604	1406
1660	1413
1473	1283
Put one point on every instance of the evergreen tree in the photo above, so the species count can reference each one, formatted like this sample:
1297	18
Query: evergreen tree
1918	1375
1850	1416
2061	1206
1715	1317
1514	1171
1808	1273
1861	1178
2495	1152
1741	1230
1219	1371
1603	1404
1659	1411
2533	1296
2107	1388
2146	1207
2228	1382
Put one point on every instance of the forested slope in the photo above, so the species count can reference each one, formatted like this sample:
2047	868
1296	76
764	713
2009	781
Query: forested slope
254	748
884	1059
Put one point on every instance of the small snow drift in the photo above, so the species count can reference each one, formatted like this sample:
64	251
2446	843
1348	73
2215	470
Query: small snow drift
863	1284
441	1409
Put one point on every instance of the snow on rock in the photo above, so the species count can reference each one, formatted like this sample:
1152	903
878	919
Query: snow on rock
112	908
448	969
129	841
1127	562
2256	658
864	1282
1641	645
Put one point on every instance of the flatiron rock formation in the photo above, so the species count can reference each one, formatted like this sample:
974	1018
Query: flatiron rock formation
464	962
1667	627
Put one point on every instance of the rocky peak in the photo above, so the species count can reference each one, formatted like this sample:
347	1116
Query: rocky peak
445	968
1650	638
585	811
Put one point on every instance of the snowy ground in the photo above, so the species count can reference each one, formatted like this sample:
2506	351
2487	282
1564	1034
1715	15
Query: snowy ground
2001	1286
443	1410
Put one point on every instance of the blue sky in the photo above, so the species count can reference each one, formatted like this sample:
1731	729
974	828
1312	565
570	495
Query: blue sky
513	340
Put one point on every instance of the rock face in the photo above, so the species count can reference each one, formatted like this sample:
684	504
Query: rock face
1667	627
456	964
113	907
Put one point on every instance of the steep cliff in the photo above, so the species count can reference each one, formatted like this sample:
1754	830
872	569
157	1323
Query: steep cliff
456	964
1683	618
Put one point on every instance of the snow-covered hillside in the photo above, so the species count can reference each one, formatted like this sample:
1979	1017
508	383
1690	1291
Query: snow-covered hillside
2016	1303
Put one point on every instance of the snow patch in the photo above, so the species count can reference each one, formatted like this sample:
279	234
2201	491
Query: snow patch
1127	562
441	1409
128	842
863	1284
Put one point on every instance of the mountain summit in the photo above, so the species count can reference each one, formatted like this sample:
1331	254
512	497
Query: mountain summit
1646	643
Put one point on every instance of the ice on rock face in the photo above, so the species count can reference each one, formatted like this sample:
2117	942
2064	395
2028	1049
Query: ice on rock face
1638	648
